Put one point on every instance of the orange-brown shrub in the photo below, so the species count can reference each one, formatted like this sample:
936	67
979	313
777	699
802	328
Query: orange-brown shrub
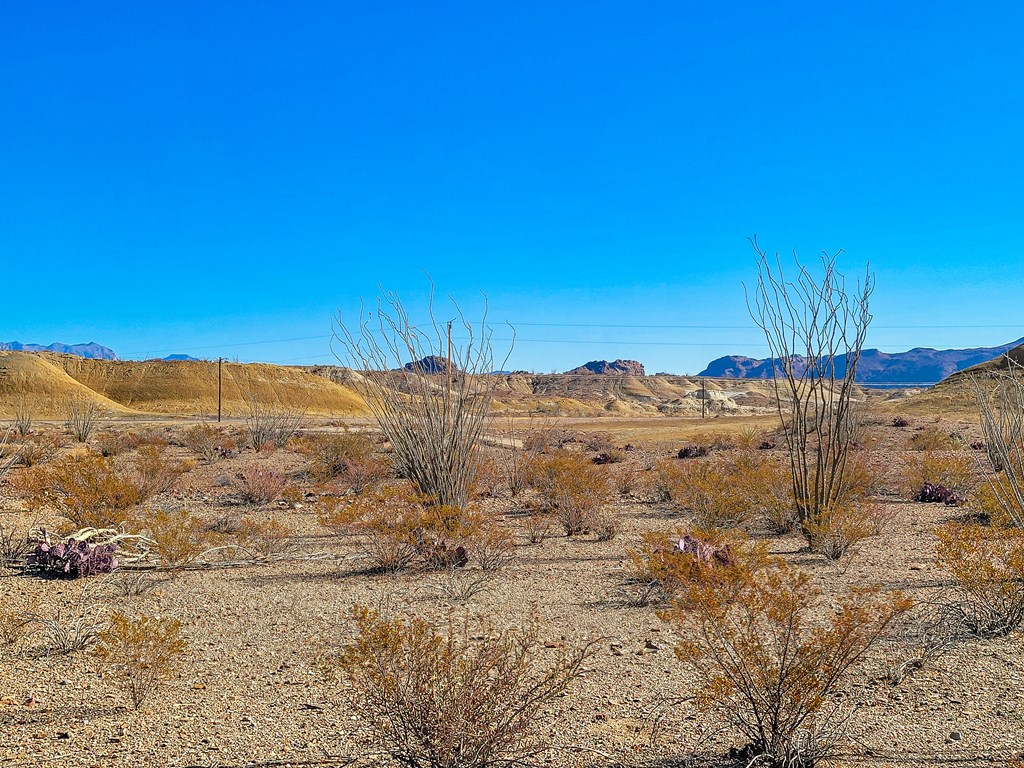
88	490
155	472
331	454
259	485
711	555
956	471
398	529
140	653
209	443
40	448
459	700
987	564
765	664
572	487
179	539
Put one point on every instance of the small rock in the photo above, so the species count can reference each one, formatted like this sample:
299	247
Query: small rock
955	736
917	566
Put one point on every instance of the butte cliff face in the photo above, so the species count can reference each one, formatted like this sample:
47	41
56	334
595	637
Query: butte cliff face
615	368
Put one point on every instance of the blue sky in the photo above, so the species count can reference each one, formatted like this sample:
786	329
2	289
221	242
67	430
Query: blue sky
215	178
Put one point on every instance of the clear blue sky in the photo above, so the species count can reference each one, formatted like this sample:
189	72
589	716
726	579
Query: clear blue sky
198	176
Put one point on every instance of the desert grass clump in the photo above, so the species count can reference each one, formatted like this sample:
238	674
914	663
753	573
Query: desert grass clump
263	539
433	700
767	666
573	489
840	529
15	546
431	396
954	471
934	439
141	652
88	490
987	565
80	417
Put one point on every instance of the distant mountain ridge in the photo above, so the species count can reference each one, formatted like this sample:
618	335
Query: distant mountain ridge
921	365
614	368
92	350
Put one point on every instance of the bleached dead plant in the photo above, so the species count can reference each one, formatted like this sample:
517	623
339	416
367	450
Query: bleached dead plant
9	456
429	393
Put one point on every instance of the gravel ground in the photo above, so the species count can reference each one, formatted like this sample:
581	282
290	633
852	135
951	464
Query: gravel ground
256	685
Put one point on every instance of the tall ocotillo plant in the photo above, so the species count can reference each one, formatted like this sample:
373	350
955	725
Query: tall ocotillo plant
815	329
429	392
1001	406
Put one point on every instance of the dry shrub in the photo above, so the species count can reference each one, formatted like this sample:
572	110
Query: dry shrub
627	480
989	505
115	443
708	490
435	700
209	443
398	529
668	562
331	454
572	488
839	529
140	652
489	477
88	490
179	539
766	666
932	439
955	471
987	565
155	472
40	448
258	485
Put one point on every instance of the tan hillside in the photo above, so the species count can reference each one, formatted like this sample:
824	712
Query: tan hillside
46	385
168	387
956	394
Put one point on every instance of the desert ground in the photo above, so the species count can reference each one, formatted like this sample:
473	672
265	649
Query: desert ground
258	682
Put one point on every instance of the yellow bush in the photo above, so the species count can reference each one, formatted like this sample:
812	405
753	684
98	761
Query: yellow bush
956	471
88	490
141	652
572	487
987	564
767	665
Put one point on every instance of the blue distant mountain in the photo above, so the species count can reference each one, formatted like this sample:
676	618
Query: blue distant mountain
91	350
174	358
921	365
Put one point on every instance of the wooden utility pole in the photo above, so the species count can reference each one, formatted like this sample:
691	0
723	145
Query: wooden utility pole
220	361
703	398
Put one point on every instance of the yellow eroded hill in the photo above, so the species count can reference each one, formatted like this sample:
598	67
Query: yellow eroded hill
44	387
169	387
